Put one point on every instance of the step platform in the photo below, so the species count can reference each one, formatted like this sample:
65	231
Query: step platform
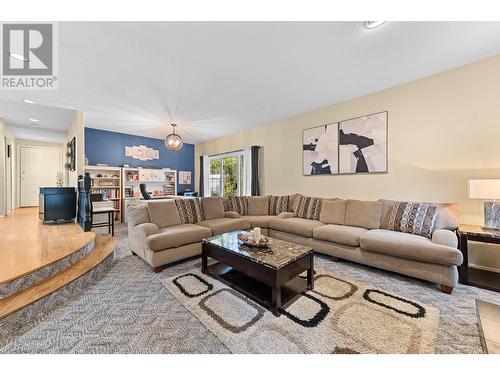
37	259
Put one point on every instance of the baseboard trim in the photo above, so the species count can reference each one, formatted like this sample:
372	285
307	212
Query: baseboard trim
484	268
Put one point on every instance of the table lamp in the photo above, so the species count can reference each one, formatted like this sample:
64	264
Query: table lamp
489	191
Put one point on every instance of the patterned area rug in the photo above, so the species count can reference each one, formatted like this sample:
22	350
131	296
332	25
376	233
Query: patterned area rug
127	309
338	316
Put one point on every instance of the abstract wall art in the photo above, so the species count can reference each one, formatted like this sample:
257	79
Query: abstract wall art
320	150
363	144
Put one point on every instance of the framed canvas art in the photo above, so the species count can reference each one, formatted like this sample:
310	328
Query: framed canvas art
320	150
185	177
363	144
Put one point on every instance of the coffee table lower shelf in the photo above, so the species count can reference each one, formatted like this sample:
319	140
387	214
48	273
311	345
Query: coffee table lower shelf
255	290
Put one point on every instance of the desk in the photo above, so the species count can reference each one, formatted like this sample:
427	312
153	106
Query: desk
111	220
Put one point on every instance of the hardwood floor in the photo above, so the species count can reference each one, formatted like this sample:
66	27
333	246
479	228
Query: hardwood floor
104	246
27	245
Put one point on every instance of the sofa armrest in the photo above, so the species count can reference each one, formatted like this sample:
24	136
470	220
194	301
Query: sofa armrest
445	237
148	228
285	215
232	215
138	234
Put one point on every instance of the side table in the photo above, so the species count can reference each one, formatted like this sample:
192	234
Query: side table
473	276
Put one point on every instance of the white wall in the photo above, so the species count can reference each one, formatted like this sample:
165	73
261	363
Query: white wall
6	178
443	130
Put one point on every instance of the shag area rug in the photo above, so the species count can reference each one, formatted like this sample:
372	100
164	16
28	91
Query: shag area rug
339	316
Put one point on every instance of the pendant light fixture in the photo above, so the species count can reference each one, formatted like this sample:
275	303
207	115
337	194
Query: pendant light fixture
173	141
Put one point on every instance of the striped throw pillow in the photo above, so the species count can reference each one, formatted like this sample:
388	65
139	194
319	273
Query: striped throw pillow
413	218
190	210
308	208
278	204
238	204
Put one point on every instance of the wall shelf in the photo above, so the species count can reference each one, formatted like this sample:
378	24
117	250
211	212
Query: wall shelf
159	183
111	191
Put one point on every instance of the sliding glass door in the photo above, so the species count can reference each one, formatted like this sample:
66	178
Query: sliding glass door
226	175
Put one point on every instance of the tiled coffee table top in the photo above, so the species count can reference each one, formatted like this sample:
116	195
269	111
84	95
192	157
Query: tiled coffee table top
277	255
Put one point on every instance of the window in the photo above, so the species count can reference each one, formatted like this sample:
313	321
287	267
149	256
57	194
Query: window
226	175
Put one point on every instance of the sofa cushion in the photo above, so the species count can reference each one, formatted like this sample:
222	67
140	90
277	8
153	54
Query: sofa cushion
342	234
409	246
225	203
412	217
333	211
164	213
238	204
261	221
258	205
213	208
364	214
295	225
137	214
308	208
232	215
190	210
278	204
177	235
219	226
293	200
448	214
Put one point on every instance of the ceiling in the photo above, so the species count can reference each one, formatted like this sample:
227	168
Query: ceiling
52	125
216	78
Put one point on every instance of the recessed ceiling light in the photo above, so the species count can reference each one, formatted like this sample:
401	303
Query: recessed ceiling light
29	101
373	24
33	120
18	57
35	125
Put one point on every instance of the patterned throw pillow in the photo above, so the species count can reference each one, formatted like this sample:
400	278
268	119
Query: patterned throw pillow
278	204
308	208
238	204
190	210
413	218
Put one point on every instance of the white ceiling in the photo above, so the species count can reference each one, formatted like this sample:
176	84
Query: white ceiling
217	78
52	125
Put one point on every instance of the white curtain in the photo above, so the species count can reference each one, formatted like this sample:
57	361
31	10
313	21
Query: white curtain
247	160
206	176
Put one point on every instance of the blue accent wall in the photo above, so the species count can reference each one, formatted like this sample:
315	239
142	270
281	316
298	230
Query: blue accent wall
107	147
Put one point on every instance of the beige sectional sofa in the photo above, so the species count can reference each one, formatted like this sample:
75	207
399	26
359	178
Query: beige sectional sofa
346	229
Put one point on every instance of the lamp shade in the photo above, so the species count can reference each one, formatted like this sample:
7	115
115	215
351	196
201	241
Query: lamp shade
484	189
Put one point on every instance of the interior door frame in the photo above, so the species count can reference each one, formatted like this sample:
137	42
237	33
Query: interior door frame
20	162
10	179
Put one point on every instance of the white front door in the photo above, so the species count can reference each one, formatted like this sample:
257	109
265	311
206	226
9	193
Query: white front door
39	168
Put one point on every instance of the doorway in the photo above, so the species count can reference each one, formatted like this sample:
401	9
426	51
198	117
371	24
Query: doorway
226	174
38	167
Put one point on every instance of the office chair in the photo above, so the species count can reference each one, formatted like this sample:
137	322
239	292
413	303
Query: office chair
144	192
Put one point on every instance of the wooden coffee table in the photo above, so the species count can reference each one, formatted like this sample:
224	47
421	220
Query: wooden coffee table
269	276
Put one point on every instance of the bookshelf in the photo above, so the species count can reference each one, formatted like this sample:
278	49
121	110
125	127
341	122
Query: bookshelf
159	183
106	181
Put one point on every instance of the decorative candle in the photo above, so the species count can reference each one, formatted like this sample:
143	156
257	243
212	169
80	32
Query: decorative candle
256	233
